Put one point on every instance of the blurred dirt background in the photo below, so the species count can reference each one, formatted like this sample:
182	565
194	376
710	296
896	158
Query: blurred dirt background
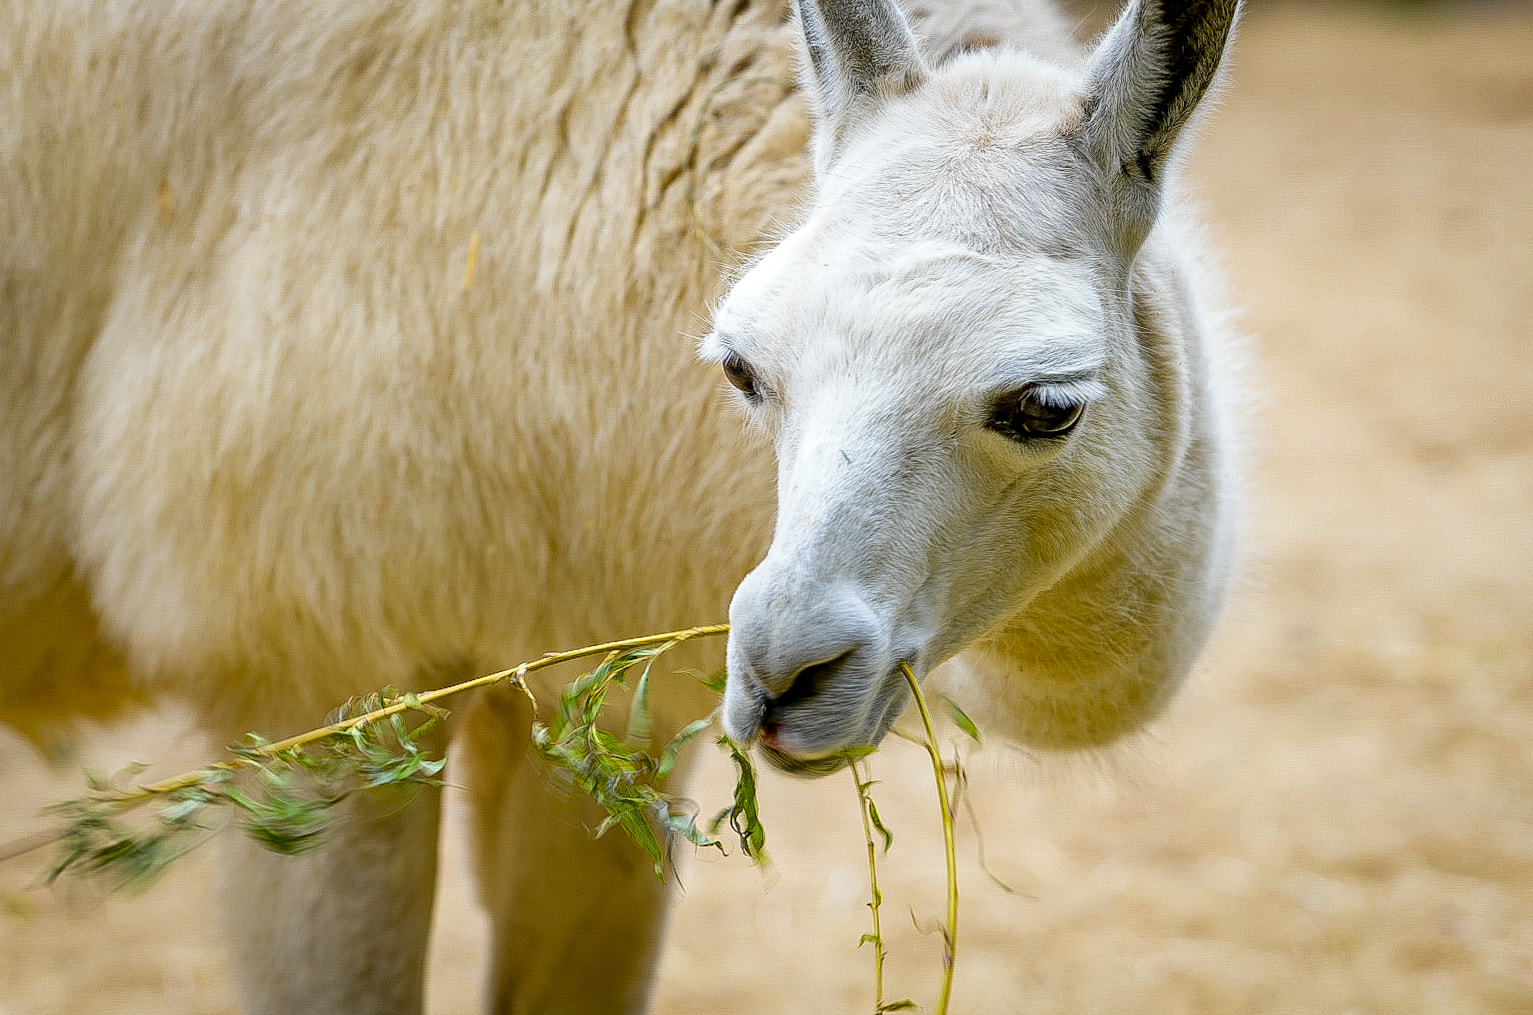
1338	814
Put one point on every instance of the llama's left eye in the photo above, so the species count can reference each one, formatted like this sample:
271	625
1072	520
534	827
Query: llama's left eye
739	373
1032	413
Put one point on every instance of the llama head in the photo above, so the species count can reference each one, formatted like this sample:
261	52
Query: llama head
985	446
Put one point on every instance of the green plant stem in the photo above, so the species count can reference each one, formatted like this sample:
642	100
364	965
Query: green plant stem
950	934
876	902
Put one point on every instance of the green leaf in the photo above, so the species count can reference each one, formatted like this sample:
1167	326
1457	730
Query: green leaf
742	814
638	829
961	719
181	811
640	728
673	749
713	681
878	823
609	744
683	822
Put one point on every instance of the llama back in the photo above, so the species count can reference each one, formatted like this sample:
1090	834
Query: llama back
357	340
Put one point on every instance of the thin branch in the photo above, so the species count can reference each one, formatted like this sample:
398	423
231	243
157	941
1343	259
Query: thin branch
950	934
876	939
513	676
127	800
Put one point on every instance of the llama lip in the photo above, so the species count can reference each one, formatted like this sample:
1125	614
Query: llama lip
809	768
770	743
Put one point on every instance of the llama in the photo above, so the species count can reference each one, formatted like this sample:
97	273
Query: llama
345	348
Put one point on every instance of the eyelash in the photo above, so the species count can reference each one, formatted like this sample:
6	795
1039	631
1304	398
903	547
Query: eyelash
1034	413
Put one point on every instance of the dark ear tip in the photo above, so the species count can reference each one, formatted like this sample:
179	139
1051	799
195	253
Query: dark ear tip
858	49
1150	73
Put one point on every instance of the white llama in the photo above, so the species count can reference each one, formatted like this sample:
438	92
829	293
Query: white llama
343	347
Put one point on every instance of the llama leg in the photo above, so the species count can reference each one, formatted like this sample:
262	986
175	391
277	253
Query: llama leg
341	929
576	923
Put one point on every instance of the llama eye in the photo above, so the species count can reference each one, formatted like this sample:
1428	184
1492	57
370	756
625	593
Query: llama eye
1029	414
739	373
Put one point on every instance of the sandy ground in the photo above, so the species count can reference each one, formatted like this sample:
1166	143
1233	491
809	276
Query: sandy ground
1336	817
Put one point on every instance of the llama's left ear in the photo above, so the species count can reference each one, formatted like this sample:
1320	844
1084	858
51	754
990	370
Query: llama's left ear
860	54
1144	82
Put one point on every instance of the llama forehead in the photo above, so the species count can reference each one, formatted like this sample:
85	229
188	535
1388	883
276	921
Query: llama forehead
984	155
945	246
1001	95
937	316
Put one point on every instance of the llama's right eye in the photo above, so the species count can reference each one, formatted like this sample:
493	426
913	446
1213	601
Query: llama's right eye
739	373
1033	413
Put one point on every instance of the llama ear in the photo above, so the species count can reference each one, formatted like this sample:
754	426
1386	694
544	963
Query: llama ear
860	52
1145	79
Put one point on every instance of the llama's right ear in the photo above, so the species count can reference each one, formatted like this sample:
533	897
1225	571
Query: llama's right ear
1144	81
859	54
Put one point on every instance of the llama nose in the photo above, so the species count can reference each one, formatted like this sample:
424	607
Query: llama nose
790	643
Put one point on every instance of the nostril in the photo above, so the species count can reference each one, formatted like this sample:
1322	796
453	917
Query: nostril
809	682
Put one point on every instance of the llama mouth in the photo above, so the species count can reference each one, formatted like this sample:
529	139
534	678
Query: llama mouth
806	768
769	741
770	736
